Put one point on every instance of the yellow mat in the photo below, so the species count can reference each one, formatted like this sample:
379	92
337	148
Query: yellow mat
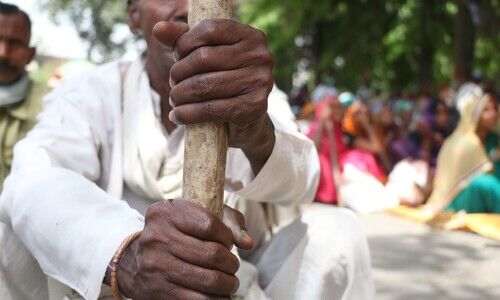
487	225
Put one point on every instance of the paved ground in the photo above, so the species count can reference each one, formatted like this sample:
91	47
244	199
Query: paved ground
412	261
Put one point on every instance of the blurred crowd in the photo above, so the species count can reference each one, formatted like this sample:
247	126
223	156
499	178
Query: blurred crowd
383	150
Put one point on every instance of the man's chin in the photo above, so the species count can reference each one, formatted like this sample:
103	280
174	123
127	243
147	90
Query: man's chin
8	78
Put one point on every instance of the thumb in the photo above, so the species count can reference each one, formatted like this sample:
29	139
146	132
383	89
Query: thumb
235	221
167	33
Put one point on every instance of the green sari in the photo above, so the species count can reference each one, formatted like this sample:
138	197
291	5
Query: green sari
482	195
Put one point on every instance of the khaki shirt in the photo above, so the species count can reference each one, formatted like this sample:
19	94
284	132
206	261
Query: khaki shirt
15	122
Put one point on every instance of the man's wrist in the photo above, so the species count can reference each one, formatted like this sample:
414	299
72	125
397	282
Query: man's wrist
259	151
126	267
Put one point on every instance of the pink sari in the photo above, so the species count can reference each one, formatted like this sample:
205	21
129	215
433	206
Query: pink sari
327	190
332	147
364	161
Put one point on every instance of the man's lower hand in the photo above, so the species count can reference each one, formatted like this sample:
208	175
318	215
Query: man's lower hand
183	253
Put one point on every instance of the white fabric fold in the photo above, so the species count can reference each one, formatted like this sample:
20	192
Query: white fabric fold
151	167
62	203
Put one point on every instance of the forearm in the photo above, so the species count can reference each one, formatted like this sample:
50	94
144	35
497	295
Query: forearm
259	151
292	168
68	224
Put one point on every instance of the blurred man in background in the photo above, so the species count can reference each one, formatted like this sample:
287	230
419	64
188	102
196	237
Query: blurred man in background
19	96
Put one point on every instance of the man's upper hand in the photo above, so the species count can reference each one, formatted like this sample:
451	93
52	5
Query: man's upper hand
183	253
223	72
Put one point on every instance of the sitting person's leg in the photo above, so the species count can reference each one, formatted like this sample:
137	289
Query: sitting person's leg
481	196
322	255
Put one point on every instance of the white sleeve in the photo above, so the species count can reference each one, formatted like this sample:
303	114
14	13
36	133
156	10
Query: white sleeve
291	174
70	225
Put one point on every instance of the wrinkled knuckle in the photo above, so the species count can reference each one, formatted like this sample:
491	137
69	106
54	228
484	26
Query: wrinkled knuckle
175	94
236	284
218	255
240	113
260	105
260	35
211	254
209	224
201	84
203	56
210	109
268	81
215	279
267	58
181	44
154	211
174	72
209	27
265	79
146	237
169	277
148	264
260	110
236	265
179	115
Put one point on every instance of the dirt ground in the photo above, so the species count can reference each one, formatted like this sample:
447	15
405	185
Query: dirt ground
412	261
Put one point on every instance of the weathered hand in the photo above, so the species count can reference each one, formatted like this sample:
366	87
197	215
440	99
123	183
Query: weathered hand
183	253
223	72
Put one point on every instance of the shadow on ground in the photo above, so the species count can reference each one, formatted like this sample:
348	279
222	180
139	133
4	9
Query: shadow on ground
413	261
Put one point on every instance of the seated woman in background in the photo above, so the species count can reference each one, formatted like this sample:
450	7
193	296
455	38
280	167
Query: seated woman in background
367	153
363	176
434	127
346	174
403	144
386	131
326	132
467	178
416	148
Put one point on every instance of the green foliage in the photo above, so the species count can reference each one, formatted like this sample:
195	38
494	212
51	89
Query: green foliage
95	21
385	44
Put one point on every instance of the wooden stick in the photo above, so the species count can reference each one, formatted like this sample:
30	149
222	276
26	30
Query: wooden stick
206	144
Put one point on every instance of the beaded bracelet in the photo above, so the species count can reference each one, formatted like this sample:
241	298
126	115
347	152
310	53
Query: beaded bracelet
116	259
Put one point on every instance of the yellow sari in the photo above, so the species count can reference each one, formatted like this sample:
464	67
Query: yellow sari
461	159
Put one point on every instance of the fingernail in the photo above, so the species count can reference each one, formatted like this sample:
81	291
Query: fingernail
176	55
171	102
173	119
171	82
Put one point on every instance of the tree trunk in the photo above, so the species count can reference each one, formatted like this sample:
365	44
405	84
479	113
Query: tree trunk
316	52
425	72
464	40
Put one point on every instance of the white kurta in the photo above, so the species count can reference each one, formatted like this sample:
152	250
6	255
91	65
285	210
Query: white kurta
62	209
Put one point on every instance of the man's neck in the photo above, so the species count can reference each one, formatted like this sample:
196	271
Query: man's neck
157	77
